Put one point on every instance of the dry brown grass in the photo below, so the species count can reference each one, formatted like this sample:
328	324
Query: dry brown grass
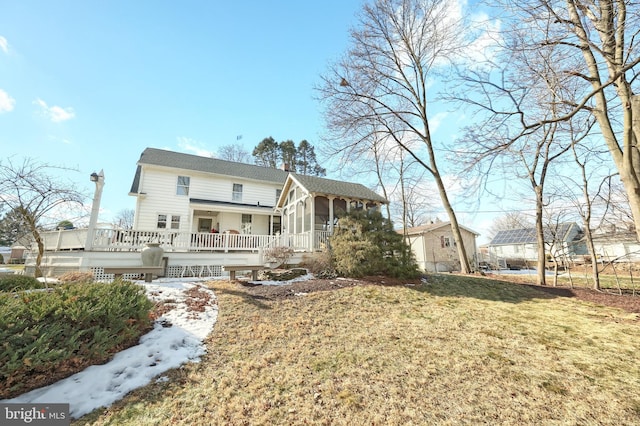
456	351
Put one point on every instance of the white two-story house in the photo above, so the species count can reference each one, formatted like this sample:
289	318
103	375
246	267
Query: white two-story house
206	213
201	195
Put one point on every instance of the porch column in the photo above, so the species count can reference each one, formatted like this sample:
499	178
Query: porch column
312	223
348	201
331	214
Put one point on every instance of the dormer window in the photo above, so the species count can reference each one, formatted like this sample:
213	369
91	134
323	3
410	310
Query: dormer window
183	185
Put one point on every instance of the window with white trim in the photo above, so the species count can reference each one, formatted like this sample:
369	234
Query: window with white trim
183	185
237	192
163	221
446	242
175	222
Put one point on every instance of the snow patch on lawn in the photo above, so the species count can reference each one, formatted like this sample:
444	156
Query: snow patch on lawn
177	338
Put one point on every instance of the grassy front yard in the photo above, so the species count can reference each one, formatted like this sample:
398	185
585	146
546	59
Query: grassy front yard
456	351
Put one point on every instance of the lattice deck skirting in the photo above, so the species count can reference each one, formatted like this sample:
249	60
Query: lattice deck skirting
172	271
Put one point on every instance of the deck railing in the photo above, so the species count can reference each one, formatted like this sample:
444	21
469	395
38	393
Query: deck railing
105	239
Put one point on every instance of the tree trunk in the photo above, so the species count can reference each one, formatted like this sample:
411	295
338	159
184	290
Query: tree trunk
594	259
541	264
465	268
40	255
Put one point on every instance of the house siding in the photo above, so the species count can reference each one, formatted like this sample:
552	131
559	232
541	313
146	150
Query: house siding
159	186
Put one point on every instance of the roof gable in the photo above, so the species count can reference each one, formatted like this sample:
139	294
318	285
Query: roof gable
434	226
323	186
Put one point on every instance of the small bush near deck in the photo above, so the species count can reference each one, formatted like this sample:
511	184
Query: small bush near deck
46	335
18	283
279	255
319	264
76	277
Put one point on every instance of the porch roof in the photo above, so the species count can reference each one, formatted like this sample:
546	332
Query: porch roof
230	206
323	186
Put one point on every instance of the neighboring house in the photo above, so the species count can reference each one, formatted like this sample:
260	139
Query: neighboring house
5	252
616	244
435	249
519	246
207	213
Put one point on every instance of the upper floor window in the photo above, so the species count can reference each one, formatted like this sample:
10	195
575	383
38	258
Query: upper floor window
183	185
162	221
237	192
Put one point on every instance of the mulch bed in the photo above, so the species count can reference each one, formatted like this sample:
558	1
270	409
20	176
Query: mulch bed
626	301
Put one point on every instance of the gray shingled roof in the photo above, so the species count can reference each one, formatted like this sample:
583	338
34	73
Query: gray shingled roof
160	157
320	185
416	230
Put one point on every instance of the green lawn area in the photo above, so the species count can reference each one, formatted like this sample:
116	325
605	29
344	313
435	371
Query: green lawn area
458	350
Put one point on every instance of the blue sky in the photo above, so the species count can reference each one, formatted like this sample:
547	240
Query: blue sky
90	85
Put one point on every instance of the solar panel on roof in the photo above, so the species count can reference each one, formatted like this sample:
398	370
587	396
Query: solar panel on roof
528	235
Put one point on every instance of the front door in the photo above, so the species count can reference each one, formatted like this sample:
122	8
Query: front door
205	225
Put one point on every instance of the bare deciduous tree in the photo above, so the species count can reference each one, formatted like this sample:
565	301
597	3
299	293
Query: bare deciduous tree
30	189
124	219
234	152
599	55
382	82
530	89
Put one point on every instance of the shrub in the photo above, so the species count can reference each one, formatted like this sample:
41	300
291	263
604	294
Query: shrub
19	282
46	334
365	243
319	264
1	259
284	275
76	277
279	255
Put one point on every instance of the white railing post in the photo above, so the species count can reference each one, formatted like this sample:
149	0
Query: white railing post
98	179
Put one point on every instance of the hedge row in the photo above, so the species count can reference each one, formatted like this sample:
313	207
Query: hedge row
44	332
